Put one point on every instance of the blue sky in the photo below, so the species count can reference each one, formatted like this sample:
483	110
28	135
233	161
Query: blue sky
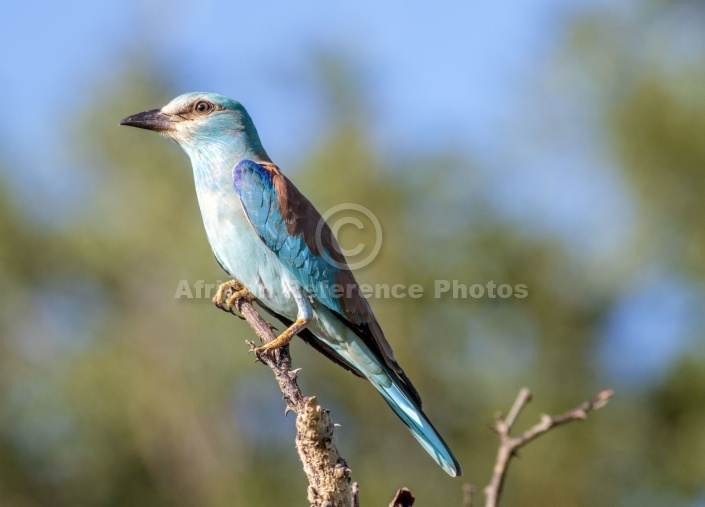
457	67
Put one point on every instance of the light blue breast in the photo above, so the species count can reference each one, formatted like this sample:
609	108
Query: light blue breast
235	243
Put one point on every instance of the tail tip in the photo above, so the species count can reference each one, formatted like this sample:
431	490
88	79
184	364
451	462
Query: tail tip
453	469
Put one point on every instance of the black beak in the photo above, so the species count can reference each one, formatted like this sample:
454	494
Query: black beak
151	120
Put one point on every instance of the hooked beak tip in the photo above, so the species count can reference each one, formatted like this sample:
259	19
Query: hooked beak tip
154	119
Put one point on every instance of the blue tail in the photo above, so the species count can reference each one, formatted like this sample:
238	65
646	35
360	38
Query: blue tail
403	404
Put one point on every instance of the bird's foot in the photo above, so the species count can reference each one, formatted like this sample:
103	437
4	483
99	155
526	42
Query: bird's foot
230	293
283	339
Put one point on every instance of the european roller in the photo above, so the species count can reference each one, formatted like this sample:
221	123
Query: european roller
280	252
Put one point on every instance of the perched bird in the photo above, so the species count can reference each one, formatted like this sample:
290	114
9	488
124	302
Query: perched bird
277	248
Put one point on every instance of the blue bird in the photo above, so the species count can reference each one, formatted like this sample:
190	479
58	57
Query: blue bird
277	248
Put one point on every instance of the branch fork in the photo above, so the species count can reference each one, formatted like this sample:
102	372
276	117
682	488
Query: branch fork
508	445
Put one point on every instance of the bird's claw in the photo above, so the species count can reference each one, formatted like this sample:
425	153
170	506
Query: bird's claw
262	351
259	352
230	294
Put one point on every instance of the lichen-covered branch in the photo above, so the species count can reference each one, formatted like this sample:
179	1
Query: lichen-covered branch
327	473
508	445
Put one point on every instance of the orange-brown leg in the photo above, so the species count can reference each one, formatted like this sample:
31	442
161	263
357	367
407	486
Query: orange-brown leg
303	319
286	337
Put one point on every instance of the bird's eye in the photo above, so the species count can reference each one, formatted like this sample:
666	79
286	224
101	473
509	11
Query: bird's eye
203	107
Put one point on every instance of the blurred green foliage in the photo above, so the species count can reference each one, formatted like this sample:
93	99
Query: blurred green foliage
117	393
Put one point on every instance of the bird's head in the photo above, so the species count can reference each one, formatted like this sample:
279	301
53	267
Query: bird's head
203	122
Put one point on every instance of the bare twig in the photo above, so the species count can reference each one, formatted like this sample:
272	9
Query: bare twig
403	498
508	445
468	490
327	473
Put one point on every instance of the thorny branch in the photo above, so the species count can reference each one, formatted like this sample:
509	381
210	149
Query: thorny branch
328	475
508	446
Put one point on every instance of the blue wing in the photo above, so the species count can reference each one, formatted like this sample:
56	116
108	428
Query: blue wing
256	186
291	227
